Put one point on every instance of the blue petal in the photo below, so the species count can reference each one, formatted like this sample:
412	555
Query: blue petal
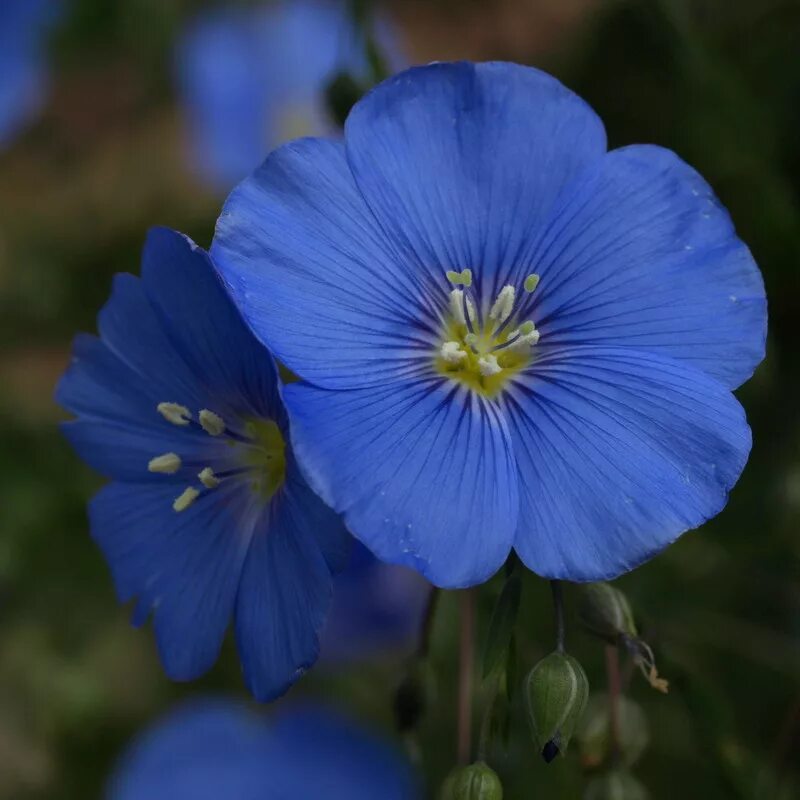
639	253
328	756
202	751
216	749
249	78
310	271
205	327
422	471
284	595
23	67
185	566
461	163
619	453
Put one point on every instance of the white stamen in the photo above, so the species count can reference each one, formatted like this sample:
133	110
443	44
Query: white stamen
504	305
185	499
527	335
168	464
212	423
488	366
174	413
452	353
457	306
208	478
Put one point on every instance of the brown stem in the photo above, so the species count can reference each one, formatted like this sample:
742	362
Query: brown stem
466	659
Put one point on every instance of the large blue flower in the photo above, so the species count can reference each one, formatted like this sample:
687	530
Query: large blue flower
216	749
509	336
253	78
207	517
23	70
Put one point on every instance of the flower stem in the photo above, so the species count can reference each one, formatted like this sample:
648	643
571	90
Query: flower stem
614	692
466	658
558	609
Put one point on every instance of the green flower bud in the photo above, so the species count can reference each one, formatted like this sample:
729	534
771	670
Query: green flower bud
616	785
478	781
605	611
556	691
594	732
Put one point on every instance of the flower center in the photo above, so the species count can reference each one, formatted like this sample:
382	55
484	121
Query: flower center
483	348
256	454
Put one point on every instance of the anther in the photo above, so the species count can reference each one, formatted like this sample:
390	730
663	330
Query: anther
211	423
208	478
168	464
174	413
488	366
452	353
463	278
531	282
185	499
504	305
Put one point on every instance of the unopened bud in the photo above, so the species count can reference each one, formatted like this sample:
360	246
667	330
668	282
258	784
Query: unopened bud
594	735
478	781
556	691
605	611
616	785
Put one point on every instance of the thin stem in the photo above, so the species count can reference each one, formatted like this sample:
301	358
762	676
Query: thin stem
558	609
466	659
614	692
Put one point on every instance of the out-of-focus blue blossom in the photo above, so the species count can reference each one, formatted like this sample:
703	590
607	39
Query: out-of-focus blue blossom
377	608
509	337
251	78
23	68
208	518
216	750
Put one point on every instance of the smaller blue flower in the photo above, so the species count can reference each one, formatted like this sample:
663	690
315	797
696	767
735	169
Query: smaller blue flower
252	78
216	750
23	69
207	517
377	608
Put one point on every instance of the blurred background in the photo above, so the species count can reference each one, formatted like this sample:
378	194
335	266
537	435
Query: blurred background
115	116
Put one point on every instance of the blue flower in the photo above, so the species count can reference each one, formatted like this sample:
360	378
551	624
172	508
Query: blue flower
376	608
509	337
23	69
216	749
207	517
252	78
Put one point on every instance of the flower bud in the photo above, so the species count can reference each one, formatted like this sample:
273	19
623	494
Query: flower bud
616	785
556	691
605	611
594	732
478	781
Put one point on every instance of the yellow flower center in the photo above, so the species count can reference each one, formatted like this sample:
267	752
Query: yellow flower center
484	348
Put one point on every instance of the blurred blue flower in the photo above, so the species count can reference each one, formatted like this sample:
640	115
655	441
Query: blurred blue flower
377	608
252	78
207	517
216	750
23	67
509	337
